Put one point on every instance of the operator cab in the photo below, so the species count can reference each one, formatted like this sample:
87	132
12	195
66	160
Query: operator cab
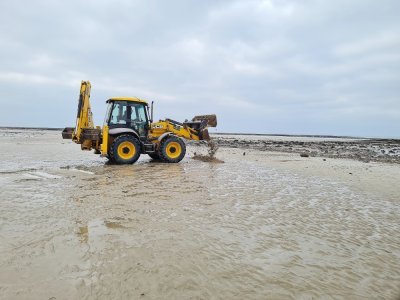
131	113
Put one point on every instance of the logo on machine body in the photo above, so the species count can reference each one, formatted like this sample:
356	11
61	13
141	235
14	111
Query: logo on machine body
157	126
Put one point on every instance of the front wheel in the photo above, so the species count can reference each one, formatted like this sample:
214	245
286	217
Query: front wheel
125	150
172	149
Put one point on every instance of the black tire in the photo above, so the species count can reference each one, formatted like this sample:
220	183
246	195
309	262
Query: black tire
125	150
172	149
110	157
154	156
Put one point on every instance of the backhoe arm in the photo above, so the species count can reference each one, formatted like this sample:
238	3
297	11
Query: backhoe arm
84	118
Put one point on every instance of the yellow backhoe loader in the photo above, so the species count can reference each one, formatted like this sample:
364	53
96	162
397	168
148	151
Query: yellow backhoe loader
129	130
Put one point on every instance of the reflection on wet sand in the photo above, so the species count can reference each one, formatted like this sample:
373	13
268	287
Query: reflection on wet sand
238	230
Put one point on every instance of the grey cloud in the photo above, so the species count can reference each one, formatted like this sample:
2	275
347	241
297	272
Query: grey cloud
308	66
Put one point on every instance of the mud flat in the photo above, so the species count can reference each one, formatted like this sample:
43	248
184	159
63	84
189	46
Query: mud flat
378	150
262	225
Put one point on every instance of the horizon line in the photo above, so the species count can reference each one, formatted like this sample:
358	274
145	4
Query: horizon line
230	133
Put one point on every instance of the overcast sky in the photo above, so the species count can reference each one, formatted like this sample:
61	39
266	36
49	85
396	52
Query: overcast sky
263	66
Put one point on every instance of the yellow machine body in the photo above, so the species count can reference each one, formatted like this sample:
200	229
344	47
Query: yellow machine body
123	139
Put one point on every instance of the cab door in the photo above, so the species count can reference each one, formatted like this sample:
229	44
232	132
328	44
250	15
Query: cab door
138	118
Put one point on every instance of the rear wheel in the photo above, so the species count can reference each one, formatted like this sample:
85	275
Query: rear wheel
125	150
172	149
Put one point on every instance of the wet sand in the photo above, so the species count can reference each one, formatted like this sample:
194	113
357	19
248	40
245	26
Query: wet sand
261	225
363	149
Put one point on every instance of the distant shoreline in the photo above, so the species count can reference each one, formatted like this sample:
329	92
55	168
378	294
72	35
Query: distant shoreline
233	133
31	128
293	135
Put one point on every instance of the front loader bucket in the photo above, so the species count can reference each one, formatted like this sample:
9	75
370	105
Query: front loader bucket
211	120
204	135
200	124
206	121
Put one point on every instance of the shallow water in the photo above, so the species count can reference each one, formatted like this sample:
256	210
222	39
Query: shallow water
74	227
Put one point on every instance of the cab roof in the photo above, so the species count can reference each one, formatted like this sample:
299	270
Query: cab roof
132	99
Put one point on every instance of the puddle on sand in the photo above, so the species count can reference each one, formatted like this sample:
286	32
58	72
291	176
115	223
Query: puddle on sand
206	158
113	225
97	228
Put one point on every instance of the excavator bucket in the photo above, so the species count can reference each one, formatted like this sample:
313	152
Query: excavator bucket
67	133
211	120
201	123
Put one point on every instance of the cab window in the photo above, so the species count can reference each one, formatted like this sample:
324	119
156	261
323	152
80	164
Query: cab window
119	114
141	113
